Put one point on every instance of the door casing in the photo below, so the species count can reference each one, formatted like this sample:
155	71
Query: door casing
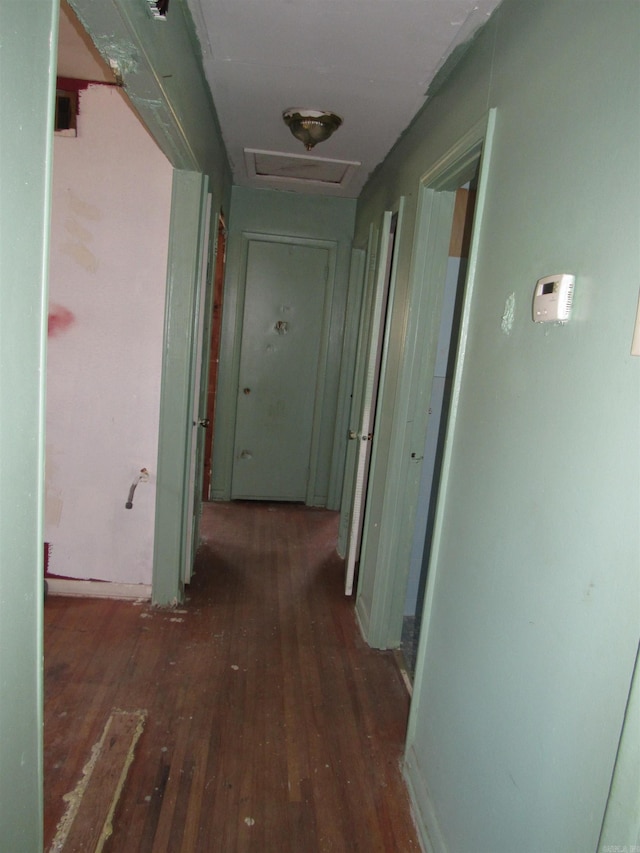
184	277
387	538
198	394
366	278
28	73
371	365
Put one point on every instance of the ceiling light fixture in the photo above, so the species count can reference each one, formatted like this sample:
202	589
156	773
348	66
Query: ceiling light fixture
311	126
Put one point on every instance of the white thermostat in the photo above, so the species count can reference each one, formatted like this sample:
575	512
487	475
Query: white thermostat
552	298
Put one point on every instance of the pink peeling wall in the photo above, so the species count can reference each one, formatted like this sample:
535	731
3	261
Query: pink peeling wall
109	236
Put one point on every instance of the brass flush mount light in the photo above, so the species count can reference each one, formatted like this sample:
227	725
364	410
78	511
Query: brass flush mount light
311	126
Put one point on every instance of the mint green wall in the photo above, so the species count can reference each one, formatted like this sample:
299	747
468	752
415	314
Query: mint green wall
533	603
28	34
284	214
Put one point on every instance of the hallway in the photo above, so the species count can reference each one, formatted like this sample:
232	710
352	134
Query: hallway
271	725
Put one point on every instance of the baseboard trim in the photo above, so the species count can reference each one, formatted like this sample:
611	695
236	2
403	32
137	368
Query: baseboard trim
98	589
362	619
402	667
430	836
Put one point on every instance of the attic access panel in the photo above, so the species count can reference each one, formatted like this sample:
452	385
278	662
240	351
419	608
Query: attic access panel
298	171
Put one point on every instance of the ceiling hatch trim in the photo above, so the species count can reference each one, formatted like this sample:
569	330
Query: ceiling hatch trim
280	168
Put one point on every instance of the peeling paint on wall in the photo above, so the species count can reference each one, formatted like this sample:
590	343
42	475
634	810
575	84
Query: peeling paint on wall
509	314
121	56
153	104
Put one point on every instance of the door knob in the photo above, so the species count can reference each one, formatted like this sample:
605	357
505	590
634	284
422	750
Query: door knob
203	422
353	434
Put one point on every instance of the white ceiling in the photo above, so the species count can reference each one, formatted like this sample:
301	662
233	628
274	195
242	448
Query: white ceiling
369	61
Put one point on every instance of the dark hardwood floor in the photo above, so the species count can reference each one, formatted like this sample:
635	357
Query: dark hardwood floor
271	726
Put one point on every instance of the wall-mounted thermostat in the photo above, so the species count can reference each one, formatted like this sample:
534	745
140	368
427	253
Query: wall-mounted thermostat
552	298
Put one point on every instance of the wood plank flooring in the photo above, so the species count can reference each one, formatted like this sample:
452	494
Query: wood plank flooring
271	726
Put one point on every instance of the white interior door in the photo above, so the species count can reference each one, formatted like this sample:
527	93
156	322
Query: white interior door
198	419
375	304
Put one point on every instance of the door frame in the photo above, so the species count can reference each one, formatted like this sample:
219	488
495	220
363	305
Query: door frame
366	274
28	71
439	402
198	394
388	538
345	388
184	279
371	366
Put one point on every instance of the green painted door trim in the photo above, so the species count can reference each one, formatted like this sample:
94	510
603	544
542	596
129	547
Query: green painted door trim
28	73
371	369
189	197
386	552
441	181
350	346
357	386
199	356
203	353
379	448
160	67
347	366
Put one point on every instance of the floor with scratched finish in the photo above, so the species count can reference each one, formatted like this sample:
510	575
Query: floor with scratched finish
271	726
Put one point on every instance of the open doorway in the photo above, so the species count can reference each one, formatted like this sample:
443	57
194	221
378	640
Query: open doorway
438	415
395	483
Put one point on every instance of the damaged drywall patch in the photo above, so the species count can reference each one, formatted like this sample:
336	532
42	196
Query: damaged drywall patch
509	314
120	54
122	57
153	104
